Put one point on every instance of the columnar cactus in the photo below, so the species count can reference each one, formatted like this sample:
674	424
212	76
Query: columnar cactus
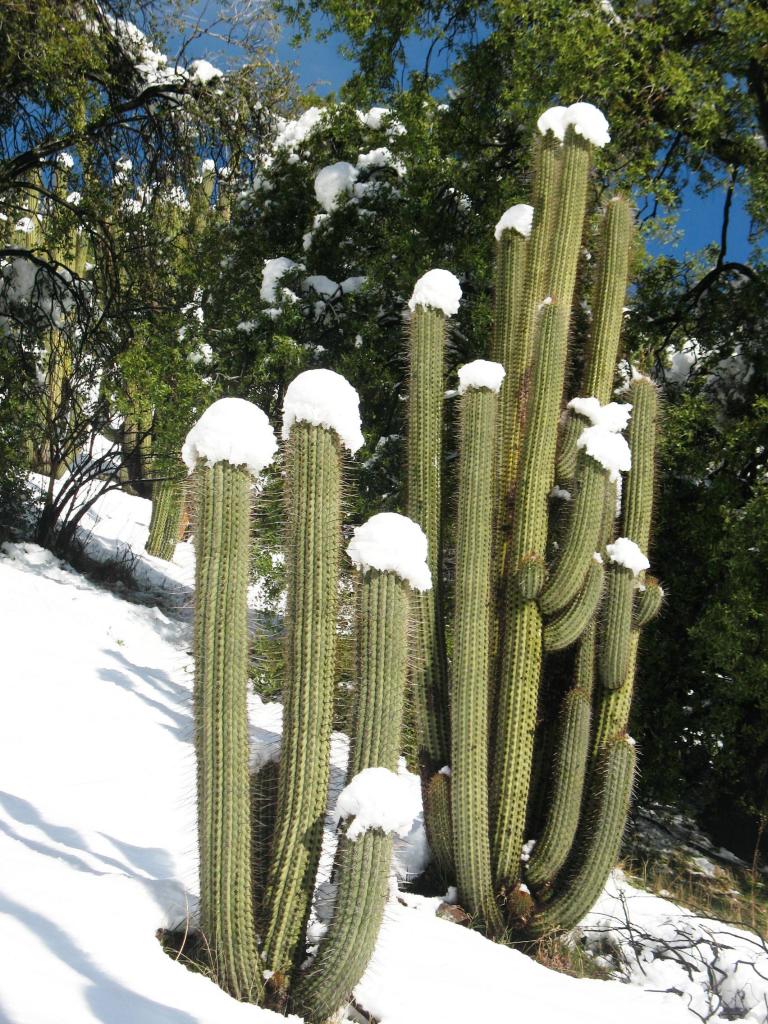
167	509
479	383
320	419
435	297
230	444
390	550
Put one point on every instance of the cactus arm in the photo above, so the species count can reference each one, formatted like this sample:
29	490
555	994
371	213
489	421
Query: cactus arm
313	516
571	756
648	603
470	665
606	828
614	648
572	623
221	727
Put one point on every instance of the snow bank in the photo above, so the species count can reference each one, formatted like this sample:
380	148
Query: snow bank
625	552
390	542
481	373
437	289
378	798
517	218
231	430
326	399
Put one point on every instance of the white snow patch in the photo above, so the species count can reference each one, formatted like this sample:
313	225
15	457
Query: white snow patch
203	71
625	552
391	542
231	430
378	798
481	373
561	493
373	119
332	181
380	157
517	218
326	399
613	417
437	289
291	134
609	449
273	271
585	118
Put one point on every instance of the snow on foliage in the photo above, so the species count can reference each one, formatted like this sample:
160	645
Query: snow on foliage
517	218
481	373
585	118
273	271
231	430
326	399
203	71
437	289
291	134
332	181
625	552
378	798
391	542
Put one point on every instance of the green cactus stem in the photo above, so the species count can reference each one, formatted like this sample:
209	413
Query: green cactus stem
616	772
313	518
614	648
167	508
648	603
424	506
364	865
470	665
569	770
221	726
566	629
222	540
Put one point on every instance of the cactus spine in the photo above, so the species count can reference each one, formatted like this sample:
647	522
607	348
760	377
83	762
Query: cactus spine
313	516
471	657
364	864
221	727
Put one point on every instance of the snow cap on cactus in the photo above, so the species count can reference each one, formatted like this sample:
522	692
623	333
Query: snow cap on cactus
331	181
325	399
481	373
603	440
517	218
379	798
231	430
625	552
390	542
437	289
586	119
612	417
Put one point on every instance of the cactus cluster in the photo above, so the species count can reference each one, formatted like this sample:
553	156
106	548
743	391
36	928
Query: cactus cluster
548	605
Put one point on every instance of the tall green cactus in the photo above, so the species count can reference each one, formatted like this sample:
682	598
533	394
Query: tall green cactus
167	509
320	416
391	552
435	297
231	442
479	383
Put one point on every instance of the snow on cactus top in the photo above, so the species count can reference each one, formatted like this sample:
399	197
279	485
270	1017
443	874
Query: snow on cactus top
586	119
326	399
625	552
231	430
481	373
517	218
390	542
378	798
437	289
331	181
603	440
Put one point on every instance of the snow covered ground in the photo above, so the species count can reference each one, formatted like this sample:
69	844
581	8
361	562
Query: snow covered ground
97	836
